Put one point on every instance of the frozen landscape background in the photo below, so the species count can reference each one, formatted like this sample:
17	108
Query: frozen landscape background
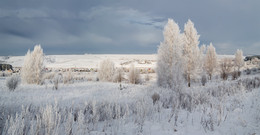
129	67
87	106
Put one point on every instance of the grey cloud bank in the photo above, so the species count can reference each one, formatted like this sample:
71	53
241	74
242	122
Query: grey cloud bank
88	26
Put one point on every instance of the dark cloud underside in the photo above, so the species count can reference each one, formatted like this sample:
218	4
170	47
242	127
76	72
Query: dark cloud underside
116	26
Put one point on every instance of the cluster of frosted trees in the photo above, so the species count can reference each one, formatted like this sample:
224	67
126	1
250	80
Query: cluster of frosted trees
33	70
108	72
181	60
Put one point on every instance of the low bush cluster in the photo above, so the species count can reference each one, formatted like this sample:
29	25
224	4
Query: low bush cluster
12	82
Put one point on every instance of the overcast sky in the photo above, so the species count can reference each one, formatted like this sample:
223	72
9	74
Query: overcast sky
120	26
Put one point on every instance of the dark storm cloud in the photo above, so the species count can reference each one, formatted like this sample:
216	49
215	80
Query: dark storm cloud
116	26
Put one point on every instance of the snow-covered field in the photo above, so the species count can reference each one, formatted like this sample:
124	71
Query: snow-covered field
87	60
102	108
91	60
92	107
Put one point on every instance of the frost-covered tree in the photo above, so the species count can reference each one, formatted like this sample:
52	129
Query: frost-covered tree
203	49
239	61
134	75
106	70
191	52
210	64
226	66
202	59
119	75
169	56
32	69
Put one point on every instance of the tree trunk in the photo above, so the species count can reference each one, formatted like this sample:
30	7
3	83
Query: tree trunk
188	81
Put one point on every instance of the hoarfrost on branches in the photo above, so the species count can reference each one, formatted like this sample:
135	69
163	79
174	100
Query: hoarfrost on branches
210	60
169	63
106	70
239	61
32	69
191	52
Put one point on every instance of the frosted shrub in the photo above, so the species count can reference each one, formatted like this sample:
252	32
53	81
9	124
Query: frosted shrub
235	75
248	71
134	75
255	61
32	69
155	97
141	114
207	120
226	66
106	70
12	82
68	77
14	125
56	79
185	101
203	80
239	61
118	77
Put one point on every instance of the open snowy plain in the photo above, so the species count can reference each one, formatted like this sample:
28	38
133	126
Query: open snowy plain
88	106
87	60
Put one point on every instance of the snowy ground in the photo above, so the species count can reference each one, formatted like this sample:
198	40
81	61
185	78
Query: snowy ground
87	60
89	107
102	108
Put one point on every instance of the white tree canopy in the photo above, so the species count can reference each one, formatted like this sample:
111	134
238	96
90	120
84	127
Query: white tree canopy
239	59
33	66
191	51
106	70
210	60
169	54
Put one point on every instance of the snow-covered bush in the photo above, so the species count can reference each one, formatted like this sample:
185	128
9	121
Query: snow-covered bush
169	56
239	61
255	61
250	83
119	75
235	74
210	64
32	69
56	80
68	77
203	80
12	82
155	97
207	120
134	75
226	66
106	70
